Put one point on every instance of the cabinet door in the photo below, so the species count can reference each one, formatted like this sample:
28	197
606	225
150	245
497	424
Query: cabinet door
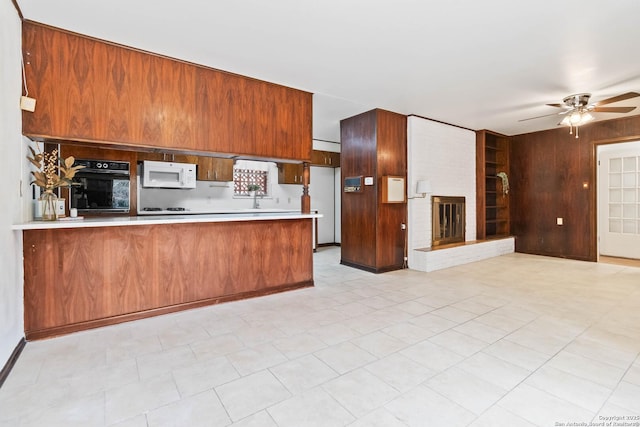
334	160
325	159
157	157
318	158
290	173
93	91
167	157
215	169
244	116
182	158
222	169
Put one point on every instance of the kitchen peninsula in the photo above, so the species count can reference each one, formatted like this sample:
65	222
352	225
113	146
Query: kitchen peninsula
94	272
95	94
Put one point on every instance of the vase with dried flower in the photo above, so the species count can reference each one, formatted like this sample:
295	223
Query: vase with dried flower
52	172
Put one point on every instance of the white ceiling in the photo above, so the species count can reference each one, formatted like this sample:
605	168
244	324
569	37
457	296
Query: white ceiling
477	64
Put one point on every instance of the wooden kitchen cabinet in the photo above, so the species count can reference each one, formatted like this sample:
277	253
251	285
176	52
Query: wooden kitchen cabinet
167	157
290	173
214	169
182	158
89	90
325	159
156	157
92	91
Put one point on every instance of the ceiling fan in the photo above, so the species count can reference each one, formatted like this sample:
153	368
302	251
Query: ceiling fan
577	110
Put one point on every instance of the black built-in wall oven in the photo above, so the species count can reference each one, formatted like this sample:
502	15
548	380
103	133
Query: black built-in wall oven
102	186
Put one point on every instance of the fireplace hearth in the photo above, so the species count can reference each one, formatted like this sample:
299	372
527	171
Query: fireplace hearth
448	220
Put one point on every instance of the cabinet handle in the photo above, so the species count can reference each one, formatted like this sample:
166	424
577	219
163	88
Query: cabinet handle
215	175
330	160
208	174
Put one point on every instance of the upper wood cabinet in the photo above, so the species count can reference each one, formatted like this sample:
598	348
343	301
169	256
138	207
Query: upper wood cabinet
325	159
214	169
95	91
167	157
290	173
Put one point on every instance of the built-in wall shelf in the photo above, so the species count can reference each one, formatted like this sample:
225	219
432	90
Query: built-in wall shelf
492	202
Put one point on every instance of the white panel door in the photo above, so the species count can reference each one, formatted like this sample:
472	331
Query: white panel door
321	190
619	201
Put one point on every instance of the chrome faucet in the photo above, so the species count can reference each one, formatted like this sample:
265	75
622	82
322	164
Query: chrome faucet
256	203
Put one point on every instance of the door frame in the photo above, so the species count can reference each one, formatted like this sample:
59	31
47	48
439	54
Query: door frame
595	244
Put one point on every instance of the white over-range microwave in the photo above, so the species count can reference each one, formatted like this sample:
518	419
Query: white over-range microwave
168	174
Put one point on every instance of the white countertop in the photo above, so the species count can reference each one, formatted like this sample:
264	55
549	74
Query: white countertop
243	215
214	211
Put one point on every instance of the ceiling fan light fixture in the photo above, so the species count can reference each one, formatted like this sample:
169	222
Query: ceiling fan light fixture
578	110
575	118
586	117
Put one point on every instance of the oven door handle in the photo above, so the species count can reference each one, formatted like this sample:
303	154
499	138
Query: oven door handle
103	173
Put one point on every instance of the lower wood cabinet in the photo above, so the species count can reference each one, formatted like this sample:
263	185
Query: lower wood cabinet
81	278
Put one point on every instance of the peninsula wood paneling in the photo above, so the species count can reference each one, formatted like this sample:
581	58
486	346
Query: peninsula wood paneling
85	277
553	175
95	91
373	144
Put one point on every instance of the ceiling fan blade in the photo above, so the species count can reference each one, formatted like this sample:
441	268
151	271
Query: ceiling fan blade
617	98
613	109
556	105
546	115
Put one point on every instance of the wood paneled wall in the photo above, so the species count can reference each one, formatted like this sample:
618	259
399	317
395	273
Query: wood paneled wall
553	174
374	144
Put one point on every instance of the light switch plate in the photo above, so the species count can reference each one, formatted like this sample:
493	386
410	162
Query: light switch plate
559	221
368	180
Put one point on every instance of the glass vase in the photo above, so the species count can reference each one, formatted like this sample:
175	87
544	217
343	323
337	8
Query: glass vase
48	206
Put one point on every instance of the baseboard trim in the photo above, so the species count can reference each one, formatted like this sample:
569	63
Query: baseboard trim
371	269
4	373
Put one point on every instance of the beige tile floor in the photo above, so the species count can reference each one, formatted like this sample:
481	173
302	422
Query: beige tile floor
516	340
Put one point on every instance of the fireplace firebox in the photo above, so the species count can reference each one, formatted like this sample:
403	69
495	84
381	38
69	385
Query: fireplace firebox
448	220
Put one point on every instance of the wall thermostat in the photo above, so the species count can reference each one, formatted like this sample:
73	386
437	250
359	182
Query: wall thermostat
353	184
